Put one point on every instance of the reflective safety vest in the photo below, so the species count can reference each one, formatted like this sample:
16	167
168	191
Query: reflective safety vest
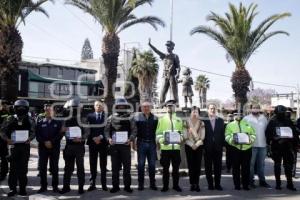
239	127
165	124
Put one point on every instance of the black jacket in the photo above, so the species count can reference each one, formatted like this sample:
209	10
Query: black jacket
274	140
96	131
214	139
48	132
146	128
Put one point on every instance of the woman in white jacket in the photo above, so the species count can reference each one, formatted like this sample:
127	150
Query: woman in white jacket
194	136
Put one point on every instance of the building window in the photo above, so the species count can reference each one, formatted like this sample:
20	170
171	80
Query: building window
44	71
33	89
53	72
83	90
60	72
69	74
117	89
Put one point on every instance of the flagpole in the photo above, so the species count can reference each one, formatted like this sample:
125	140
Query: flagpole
171	19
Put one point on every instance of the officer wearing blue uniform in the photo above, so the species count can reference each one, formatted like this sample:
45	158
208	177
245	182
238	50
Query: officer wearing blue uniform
48	134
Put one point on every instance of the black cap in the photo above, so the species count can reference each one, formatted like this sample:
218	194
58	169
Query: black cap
21	102
170	44
170	103
280	109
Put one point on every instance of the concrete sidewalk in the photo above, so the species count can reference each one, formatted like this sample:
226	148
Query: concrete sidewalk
227	183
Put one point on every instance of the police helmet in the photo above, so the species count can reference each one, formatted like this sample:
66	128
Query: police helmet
280	109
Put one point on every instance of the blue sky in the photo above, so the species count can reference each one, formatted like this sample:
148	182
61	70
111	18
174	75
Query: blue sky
277	61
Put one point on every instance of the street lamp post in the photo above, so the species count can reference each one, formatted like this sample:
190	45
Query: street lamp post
171	19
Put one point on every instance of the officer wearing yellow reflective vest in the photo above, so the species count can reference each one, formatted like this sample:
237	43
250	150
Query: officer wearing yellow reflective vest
169	137
240	135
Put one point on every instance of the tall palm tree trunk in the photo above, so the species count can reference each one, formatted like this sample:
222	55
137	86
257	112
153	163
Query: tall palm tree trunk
204	98
11	46
240	84
110	54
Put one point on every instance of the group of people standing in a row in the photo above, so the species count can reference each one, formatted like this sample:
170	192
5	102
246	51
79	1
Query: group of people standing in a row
248	138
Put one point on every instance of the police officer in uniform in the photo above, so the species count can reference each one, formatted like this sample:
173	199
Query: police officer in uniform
282	148
74	150
14	131
120	122
3	144
48	134
170	153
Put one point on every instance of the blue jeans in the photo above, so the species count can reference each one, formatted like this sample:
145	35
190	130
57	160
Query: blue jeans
258	157
146	150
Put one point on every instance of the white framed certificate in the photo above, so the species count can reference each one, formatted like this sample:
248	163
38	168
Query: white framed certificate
172	137
121	137
285	132
20	136
243	138
74	132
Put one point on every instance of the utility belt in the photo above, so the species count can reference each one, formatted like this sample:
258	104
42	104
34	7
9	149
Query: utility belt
146	140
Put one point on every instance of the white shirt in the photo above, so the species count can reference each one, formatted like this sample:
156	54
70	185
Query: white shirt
259	124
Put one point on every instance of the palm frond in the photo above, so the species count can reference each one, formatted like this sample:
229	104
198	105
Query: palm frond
151	20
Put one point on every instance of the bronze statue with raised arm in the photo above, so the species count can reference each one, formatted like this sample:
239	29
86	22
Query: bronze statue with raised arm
171	71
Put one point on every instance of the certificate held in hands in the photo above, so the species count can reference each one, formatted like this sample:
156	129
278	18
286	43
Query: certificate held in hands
120	137
20	136
74	132
172	137
284	132
242	138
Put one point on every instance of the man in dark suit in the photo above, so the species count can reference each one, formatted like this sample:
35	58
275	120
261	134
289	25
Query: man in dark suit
98	145
213	145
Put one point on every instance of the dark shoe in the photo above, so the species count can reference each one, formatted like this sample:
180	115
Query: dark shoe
12	193
114	190
55	190
80	190
91	188
42	190
265	184
22	192
2	178
65	190
291	187
128	189
104	188
278	187
197	188
192	188
141	188
219	187
177	189
164	189
246	188
211	187
237	187
153	187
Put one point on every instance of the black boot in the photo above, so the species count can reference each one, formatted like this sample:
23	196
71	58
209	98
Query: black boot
80	190
12	193
92	186
290	185
65	190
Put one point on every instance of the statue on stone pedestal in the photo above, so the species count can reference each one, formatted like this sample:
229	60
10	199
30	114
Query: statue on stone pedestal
171	71
187	82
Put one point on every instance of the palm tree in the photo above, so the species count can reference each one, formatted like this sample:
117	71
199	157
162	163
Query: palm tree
114	17
202	85
236	36
145	68
12	14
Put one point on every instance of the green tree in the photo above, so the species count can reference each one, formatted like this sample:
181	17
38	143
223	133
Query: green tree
114	17
145	68
202	85
235	34
12	14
